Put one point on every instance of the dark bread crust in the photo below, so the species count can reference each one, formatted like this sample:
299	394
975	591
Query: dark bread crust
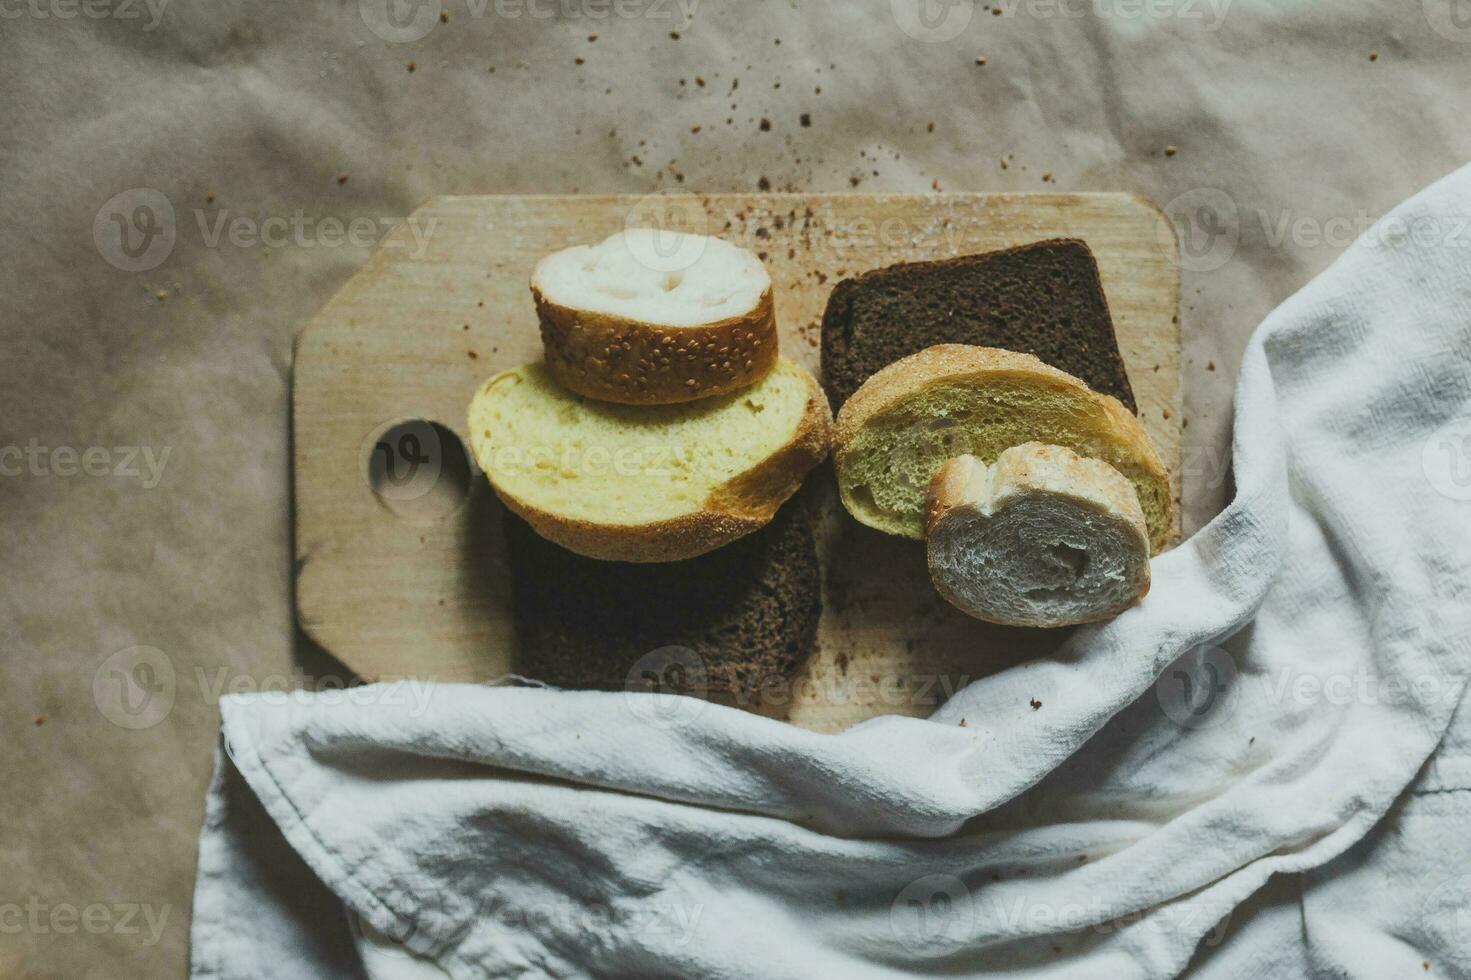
749	611
615	359
1044	299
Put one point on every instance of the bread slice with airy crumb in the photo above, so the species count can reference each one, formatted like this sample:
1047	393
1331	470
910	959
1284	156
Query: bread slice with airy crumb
655	317
1042	537
647	482
912	416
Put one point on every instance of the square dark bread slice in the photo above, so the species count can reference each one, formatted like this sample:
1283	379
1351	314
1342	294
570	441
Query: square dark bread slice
748	611
1044	299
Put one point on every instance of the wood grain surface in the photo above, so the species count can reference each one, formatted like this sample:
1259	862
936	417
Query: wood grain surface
401	564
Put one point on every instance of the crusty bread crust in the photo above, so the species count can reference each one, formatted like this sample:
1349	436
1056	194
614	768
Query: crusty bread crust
1033	465
732	510
955	484
617	359
945	361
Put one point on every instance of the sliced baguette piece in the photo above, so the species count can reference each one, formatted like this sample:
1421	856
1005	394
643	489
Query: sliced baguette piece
1041	537
646	482
913	415
654	317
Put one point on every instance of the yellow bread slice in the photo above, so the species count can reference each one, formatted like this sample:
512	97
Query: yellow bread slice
905	421
647	482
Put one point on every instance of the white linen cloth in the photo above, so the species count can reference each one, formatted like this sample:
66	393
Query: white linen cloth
1295	666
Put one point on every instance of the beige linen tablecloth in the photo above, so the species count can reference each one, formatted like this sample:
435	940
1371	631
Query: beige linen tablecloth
185	183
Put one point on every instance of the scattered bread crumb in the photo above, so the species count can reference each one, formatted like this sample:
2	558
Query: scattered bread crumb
473	356
162	295
674	35
1166	413
980	59
1211	366
935	184
580	60
931	127
591	38
343	178
40	720
1004	164
1373	55
1171	150
444	16
209	198
413	66
695	128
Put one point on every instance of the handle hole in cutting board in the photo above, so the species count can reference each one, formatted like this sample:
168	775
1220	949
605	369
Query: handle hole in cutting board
420	471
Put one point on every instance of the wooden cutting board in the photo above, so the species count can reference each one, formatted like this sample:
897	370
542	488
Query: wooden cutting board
401	566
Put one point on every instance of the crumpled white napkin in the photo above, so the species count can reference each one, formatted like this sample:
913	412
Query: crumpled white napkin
1295	665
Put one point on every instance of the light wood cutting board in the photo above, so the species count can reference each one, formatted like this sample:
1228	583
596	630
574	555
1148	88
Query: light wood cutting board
401	567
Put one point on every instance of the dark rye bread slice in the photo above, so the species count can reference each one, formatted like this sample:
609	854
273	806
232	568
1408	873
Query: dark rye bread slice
1043	299
748	611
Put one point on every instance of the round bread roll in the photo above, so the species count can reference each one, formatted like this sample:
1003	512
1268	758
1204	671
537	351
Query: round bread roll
1041	537
652	317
